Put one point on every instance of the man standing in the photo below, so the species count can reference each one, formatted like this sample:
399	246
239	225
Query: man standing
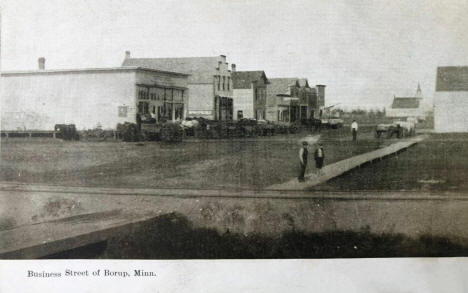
303	152
138	121
354	129
319	157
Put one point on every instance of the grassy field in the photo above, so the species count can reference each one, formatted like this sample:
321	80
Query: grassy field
253	163
436	164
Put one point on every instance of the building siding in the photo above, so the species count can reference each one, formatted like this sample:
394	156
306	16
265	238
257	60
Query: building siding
404	113
201	101
451	111
243	101
86	99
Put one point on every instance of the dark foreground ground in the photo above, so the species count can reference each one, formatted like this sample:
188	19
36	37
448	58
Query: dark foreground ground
252	163
439	163
172	236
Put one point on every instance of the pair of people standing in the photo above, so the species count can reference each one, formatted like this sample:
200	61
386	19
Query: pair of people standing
319	156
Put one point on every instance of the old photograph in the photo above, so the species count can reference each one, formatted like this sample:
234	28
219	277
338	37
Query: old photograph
260	129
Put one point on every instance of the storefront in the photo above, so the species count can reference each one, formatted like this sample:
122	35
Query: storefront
223	108
161	103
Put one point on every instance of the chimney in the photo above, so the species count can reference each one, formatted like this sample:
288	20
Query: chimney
233	67
127	54
321	94
41	62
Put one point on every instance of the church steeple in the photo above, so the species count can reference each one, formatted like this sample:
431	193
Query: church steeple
419	92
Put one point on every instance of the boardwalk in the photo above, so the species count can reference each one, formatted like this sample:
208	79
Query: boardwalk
341	167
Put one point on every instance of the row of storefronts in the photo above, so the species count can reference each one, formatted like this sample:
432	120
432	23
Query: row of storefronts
160	89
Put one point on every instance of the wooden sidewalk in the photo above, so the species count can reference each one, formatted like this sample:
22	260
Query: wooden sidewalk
341	167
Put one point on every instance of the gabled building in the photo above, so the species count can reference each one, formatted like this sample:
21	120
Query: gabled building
282	99
249	94
292	99
311	100
451	99
209	83
407	107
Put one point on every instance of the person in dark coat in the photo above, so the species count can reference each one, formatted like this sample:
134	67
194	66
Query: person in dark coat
303	153
354	129
138	121
319	156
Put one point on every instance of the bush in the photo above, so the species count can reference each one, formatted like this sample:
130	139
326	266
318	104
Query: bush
222	129
66	132
282	129
293	128
200	131
97	134
172	132
128	131
248	130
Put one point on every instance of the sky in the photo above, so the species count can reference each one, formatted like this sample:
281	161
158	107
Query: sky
364	51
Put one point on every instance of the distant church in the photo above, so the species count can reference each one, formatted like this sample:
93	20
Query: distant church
408	107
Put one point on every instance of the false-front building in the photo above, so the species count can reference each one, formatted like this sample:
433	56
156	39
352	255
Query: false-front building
39	99
209	82
249	94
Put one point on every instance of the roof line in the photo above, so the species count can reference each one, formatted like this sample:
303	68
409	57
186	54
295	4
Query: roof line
248	71
79	70
284	78
453	66
395	97
185	57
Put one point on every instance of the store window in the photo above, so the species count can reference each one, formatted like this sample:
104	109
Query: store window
143	108
178	95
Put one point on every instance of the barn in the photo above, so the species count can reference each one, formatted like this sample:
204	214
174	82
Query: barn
451	99
88	98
